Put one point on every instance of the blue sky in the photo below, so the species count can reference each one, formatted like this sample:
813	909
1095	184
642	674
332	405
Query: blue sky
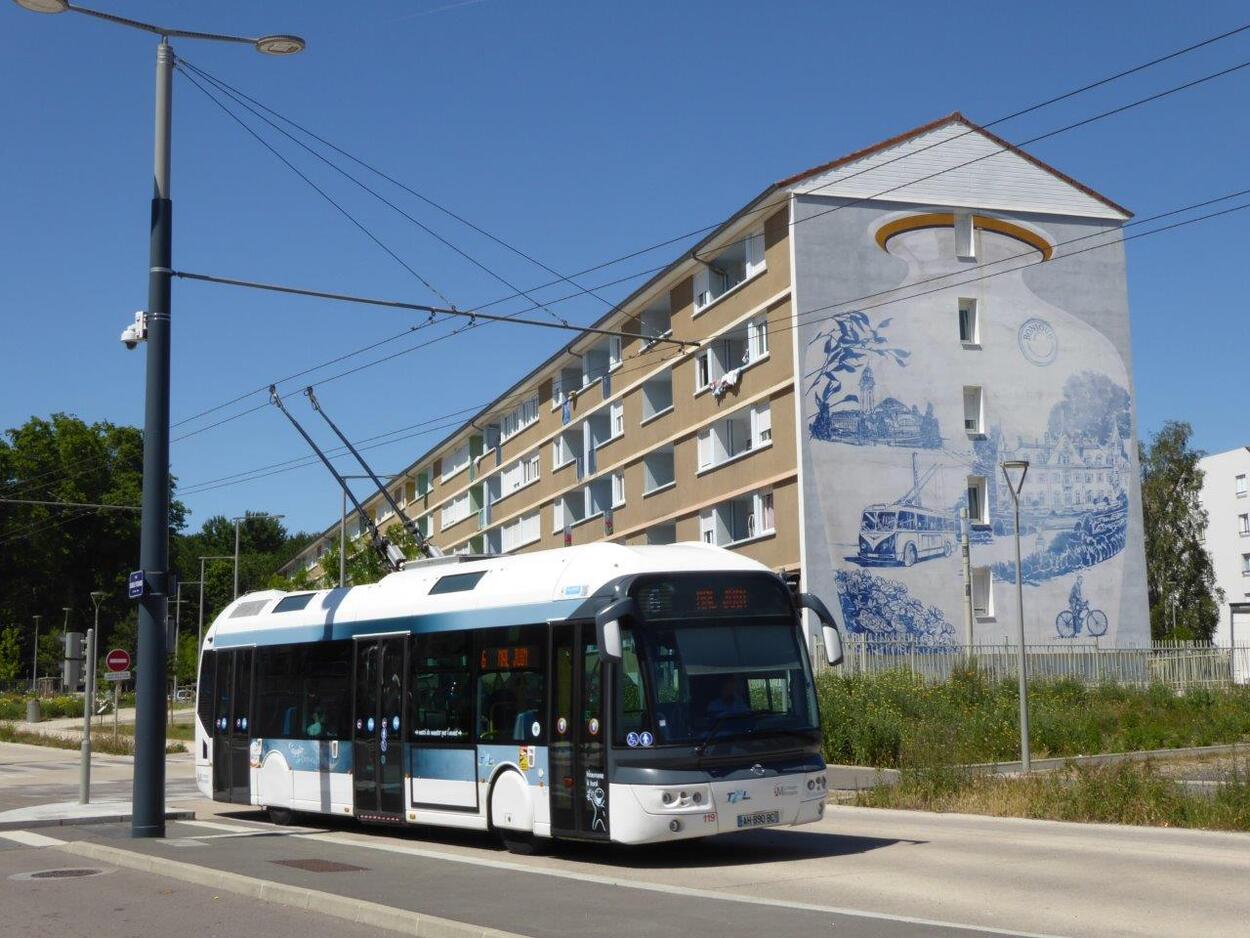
578	131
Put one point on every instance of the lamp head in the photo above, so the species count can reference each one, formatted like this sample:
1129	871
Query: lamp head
1015	470
277	45
43	6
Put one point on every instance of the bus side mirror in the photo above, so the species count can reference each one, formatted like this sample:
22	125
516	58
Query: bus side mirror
608	628
828	628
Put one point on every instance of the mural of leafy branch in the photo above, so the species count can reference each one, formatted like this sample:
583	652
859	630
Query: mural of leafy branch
847	345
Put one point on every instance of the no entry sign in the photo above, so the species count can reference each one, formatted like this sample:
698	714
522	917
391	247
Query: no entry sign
117	660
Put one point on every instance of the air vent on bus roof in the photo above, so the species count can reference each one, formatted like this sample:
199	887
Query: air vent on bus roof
293	603
249	608
456	582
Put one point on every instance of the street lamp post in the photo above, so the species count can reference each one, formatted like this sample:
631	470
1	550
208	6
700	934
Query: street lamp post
88	684
1020	466
34	660
148	818
237	524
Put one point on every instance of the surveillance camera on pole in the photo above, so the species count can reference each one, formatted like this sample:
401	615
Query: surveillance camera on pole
136	332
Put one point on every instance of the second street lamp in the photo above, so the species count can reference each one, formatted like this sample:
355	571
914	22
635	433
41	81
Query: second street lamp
148	799
1019	468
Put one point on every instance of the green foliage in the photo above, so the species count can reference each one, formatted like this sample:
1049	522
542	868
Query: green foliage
1180	579
896	720
10	654
13	707
103	742
1122	793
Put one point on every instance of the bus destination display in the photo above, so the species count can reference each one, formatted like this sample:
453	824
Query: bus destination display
711	596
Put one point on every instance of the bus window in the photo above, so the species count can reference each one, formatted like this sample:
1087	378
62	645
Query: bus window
442	706
906	521
205	691
510	685
303	691
631	705
279	692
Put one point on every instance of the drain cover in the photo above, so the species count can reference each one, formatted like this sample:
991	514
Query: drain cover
320	866
72	873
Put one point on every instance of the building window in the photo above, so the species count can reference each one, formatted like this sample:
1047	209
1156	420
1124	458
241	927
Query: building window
736	264
1240	485
702	370
974	411
1243	525
618	419
614	351
1245	564
657	395
618	489
561	452
456	461
982	592
662	534
978	506
517	420
757	339
658	469
557	516
519	532
738	519
739	433
518	474
969	321
455	511
965	239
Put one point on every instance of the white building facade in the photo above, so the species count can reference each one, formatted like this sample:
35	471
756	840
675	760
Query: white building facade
1226	499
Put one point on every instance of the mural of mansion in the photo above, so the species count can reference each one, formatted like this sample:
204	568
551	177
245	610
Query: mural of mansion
1066	475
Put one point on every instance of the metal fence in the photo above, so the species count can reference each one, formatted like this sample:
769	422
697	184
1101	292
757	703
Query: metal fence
1179	665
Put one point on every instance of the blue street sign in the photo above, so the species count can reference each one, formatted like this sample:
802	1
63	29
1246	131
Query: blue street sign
135	585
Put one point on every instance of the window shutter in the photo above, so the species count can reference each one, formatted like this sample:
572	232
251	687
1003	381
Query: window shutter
702	287
761	425
755	253
705	448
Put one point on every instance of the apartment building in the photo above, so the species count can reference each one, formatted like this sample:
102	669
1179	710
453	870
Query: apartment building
864	342
1226	499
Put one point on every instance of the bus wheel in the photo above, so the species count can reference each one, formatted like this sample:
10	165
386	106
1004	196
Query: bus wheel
909	555
281	816
521	843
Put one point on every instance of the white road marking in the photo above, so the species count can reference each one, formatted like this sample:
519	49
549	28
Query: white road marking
31	839
664	887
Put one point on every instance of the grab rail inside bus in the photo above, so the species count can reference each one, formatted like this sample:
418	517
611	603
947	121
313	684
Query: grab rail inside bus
828	627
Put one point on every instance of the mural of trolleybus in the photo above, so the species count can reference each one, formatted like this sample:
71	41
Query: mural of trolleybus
902	535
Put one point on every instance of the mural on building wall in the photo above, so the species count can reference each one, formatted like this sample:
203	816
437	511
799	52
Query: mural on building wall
867	415
883	610
886	486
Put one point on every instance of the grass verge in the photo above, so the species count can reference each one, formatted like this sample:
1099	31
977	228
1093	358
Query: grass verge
125	745
1125	793
895	719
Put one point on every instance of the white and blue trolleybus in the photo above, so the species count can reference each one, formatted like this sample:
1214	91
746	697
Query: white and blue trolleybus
604	692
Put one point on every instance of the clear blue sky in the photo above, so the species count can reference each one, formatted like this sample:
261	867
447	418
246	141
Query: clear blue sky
577	130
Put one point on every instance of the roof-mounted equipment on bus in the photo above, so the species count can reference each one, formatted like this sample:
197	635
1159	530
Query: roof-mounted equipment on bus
391	555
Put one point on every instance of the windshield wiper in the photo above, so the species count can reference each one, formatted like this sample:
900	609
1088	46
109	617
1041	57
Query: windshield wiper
716	724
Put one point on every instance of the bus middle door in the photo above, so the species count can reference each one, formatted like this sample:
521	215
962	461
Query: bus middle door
377	735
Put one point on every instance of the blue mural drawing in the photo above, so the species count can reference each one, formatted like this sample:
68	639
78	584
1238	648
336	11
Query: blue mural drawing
904	532
1080	615
884	610
864	416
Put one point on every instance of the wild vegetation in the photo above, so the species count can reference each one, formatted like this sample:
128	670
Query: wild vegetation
896	720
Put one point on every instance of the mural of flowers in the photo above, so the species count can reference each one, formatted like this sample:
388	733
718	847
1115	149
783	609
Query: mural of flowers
884	610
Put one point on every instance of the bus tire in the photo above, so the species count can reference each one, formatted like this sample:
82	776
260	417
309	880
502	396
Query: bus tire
280	816
909	555
509	802
521	843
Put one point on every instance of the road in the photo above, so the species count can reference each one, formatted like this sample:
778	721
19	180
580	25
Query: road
862	873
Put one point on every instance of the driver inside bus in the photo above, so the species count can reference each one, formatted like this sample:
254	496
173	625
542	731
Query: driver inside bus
728	702
316	720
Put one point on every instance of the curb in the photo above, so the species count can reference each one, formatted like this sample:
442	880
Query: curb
174	815
327	903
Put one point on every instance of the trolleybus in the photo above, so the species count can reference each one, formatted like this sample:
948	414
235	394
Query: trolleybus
603	692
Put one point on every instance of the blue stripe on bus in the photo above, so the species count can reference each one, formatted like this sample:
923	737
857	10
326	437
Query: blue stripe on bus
526	614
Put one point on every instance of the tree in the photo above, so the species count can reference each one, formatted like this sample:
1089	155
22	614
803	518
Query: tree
10	655
54	556
1180	579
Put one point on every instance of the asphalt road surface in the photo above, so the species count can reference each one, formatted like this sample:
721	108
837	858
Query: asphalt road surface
861	873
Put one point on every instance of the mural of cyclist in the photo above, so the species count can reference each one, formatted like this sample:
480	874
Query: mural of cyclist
1076	600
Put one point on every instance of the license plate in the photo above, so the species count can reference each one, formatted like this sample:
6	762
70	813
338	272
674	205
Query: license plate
759	819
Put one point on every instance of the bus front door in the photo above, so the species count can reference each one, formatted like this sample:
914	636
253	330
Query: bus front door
232	726
579	733
377	729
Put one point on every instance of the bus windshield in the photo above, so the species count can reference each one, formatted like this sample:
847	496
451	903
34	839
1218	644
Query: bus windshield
710	681
879	520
